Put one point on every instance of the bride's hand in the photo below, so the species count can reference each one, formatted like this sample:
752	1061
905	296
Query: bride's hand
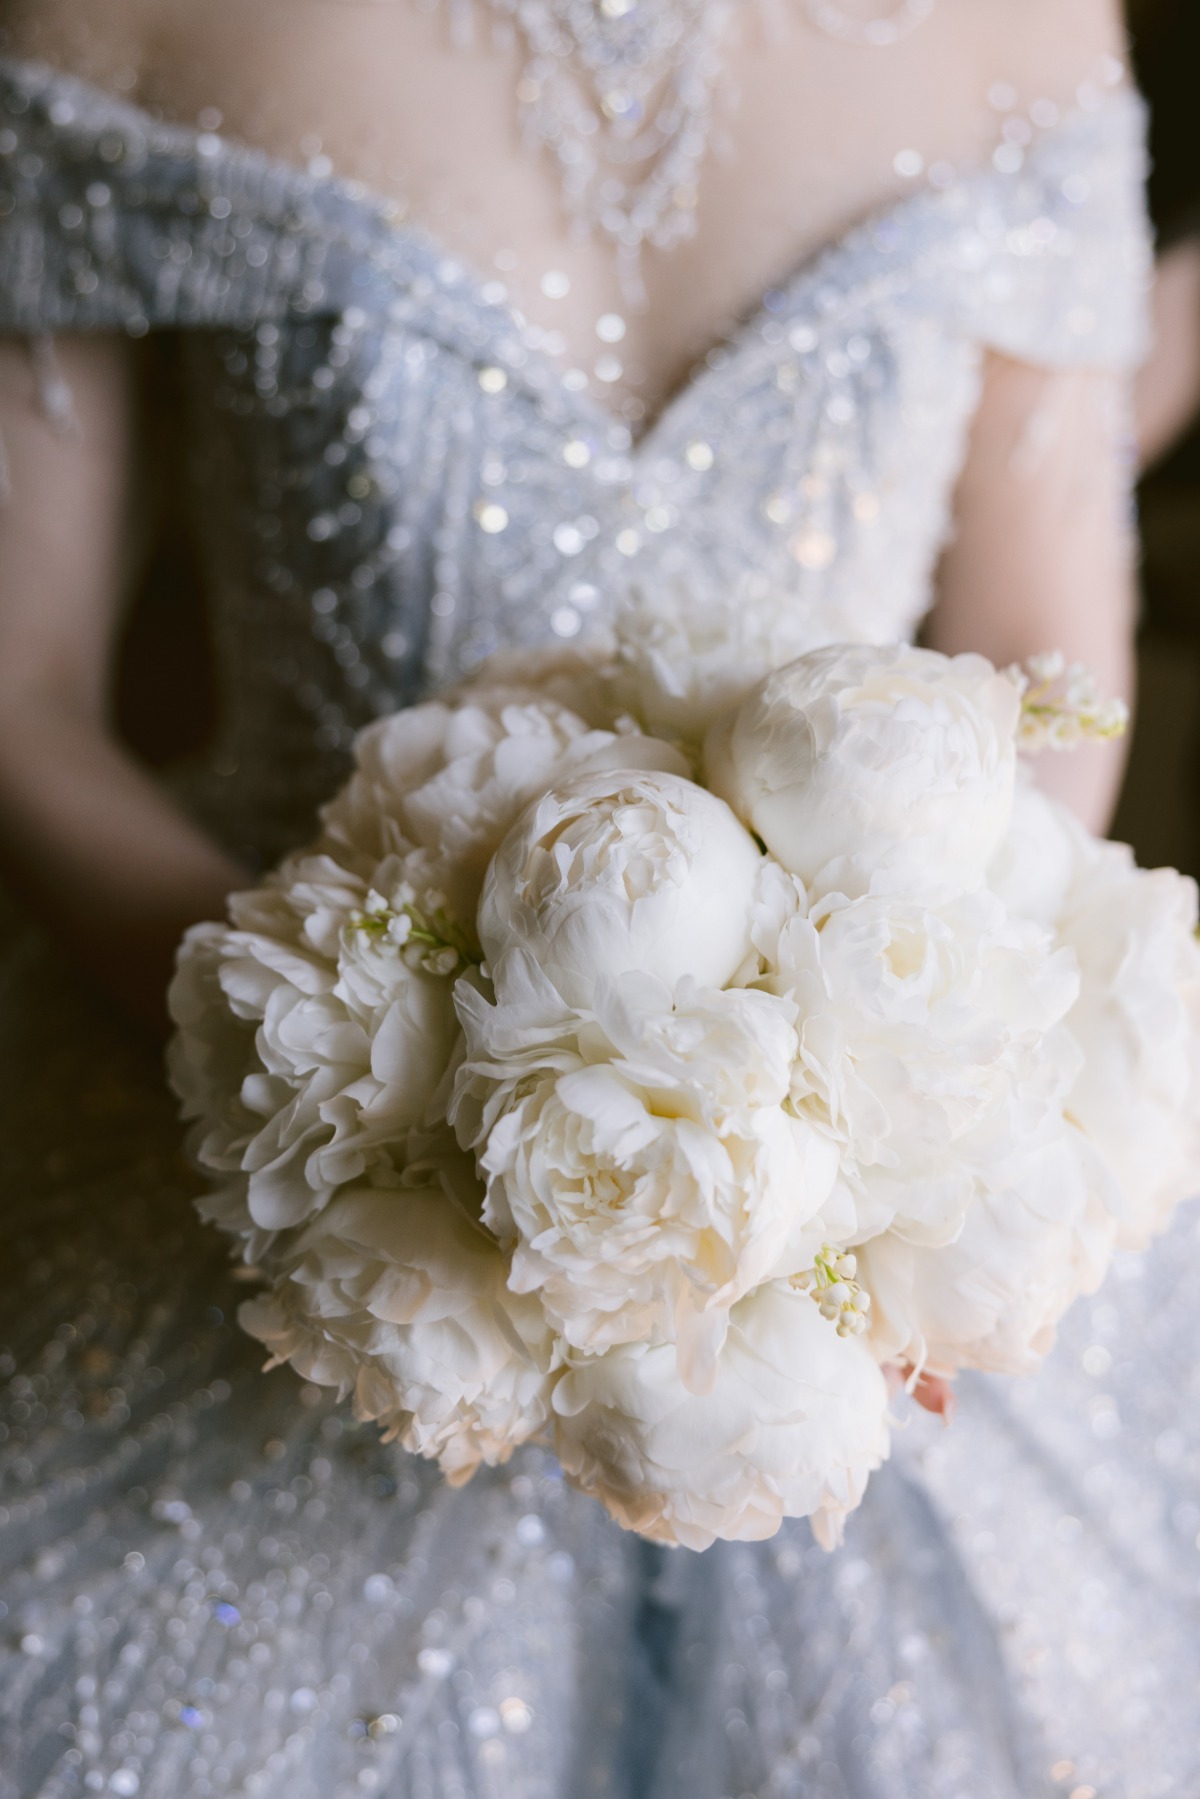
931	1391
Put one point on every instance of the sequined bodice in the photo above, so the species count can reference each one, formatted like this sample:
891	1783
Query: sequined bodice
391	479
213	1584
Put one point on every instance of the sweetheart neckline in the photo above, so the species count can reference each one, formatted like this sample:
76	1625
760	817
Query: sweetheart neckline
382	209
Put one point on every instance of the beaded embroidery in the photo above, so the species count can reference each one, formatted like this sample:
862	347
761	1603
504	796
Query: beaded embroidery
215	1587
392	480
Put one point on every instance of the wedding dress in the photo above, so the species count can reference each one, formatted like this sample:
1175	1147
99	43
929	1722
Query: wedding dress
215	1583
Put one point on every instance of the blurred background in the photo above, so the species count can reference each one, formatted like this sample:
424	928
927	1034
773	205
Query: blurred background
1160	809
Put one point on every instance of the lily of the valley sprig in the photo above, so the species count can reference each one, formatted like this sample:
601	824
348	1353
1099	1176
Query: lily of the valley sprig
1062	706
425	935
838	1296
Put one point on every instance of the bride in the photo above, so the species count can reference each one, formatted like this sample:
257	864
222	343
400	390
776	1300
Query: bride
483	311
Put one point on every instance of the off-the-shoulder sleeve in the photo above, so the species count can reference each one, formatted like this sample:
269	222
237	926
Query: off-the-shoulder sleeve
1051	262
111	221
1045	254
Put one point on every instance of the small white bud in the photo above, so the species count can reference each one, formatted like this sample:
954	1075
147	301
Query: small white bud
1047	667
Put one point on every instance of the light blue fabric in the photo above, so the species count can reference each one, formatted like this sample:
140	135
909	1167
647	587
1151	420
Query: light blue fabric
213	1583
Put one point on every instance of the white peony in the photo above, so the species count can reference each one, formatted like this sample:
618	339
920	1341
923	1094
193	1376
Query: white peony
209	1061
874	768
688	651
314	1029
639	1162
1035	864
794	1426
582	680
1038	1233
447	779
1137	1021
928	1046
1137	1018
309	1046
397	1298
621	871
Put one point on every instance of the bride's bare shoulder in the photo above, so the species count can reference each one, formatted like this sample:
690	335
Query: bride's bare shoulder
98	39
1048	45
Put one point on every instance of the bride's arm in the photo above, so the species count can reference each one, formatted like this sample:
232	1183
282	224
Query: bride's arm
86	836
1042	555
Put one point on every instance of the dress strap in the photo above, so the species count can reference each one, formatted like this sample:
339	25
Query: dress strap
1044	253
110	220
1056	270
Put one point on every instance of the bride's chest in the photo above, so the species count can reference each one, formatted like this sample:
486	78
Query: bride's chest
793	143
393	492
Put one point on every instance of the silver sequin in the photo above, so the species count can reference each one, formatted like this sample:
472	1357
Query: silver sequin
215	1582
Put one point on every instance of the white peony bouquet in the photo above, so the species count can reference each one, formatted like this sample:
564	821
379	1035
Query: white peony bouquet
651	1097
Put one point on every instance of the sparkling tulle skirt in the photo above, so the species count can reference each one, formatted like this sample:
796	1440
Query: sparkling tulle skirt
213	1582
